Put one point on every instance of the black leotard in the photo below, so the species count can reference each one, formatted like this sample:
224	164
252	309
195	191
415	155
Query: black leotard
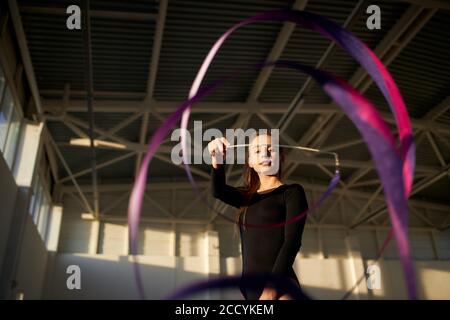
266	250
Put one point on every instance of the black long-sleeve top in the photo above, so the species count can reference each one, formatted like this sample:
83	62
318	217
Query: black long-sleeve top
266	250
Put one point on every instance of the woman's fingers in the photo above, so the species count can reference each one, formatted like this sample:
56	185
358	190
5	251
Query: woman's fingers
220	146
212	147
217	149
225	142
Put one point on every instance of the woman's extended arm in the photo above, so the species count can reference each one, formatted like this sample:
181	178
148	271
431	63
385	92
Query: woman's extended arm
224	192
220	189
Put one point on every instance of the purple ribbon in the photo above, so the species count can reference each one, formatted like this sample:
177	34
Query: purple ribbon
395	167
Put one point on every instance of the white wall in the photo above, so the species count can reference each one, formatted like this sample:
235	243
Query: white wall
8	193
31	271
173	255
23	255
111	277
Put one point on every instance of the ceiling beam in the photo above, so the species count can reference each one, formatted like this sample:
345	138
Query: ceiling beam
261	80
52	159
438	110
124	144
344	163
275	54
156	51
89	85
83	124
25	54
71	176
108	14
435	4
417	187
100	165
436	149
115	203
54	106
124	123
153	202
76	105
313	186
81	94
162	220
298	101
194	170
389	47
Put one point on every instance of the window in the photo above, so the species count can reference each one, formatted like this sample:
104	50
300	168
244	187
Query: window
2	83
10	123
40	206
10	120
33	200
5	117
12	138
43	216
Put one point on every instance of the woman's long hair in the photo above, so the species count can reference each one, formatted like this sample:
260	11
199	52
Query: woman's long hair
251	185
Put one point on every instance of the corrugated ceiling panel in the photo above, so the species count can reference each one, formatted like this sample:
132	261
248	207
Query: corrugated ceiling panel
191	29
307	47
121	49
422	69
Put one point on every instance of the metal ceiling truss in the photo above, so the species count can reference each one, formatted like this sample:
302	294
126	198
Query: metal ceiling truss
411	22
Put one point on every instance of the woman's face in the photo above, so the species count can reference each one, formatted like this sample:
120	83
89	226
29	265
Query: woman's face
263	157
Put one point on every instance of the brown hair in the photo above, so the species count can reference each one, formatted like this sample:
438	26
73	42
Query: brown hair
251	185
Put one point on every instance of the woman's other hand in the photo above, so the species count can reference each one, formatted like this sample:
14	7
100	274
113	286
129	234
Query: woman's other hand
268	294
285	297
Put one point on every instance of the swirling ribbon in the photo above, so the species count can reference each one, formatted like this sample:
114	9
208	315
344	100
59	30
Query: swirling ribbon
394	166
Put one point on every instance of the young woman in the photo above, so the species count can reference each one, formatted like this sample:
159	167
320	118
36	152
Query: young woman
264	199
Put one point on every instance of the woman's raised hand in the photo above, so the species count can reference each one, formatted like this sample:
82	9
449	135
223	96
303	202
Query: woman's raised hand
217	149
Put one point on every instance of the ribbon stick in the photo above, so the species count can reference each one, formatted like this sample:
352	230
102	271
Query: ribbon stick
395	167
333	183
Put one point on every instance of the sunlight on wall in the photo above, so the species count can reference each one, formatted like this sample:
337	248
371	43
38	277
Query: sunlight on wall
98	257
332	274
158	261
434	280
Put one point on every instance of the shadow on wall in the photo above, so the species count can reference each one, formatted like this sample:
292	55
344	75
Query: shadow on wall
112	277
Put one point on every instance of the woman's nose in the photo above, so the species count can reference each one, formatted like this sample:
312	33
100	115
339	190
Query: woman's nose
265	153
